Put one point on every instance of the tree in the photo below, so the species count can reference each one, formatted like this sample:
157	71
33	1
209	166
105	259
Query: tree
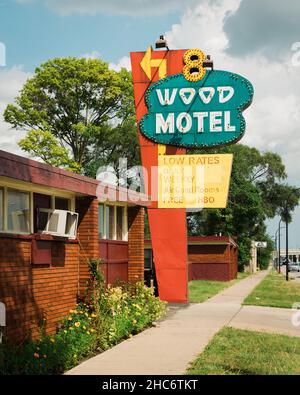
74	109
257	192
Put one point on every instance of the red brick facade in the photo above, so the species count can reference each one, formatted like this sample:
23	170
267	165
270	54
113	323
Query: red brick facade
136	244
87	235
32	293
212	258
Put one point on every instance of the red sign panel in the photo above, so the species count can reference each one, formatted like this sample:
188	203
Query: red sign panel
167	226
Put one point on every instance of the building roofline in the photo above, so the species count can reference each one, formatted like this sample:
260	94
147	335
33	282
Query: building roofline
29	170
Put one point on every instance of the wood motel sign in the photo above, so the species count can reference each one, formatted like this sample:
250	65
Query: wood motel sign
182	105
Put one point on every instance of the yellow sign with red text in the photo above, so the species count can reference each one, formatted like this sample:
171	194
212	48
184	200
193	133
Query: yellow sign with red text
194	181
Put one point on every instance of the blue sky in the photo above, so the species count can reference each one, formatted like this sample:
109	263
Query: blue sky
251	37
34	33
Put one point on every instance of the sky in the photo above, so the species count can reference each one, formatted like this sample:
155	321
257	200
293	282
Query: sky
259	39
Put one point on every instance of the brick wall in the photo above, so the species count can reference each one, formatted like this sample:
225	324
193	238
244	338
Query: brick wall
212	262
34	292
135	244
88	238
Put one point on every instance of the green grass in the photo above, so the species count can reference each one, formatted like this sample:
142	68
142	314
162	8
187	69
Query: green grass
275	291
201	290
240	352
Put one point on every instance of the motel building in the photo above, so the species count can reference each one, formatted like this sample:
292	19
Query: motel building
51	224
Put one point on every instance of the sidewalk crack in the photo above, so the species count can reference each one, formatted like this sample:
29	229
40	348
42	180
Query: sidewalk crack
234	315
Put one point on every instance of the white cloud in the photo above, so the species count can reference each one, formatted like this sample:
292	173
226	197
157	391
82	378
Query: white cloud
274	117
124	62
91	55
11	81
126	7
202	26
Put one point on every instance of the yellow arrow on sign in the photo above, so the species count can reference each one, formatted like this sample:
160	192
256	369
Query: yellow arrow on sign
147	63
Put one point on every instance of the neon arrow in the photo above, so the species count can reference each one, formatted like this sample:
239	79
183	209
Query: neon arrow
147	63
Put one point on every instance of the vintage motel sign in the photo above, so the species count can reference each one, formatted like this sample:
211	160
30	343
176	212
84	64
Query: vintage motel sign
197	111
180	104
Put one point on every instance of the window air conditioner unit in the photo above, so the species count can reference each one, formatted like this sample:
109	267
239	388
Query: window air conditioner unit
57	222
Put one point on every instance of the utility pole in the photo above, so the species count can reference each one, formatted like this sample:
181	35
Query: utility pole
279	266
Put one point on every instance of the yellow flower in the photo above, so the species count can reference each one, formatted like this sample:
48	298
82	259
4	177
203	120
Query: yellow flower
70	318
65	331
93	315
134	322
77	324
52	340
86	314
93	330
71	328
88	332
36	355
84	327
71	311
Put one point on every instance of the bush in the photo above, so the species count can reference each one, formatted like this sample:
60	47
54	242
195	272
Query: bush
112	314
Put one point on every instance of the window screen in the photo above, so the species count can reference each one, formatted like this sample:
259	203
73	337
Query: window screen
18	213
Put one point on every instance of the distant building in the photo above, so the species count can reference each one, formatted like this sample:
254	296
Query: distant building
294	254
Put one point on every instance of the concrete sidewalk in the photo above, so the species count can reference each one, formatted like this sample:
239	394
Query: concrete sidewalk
173	343
265	319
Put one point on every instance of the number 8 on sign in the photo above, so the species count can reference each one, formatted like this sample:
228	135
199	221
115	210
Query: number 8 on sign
193	69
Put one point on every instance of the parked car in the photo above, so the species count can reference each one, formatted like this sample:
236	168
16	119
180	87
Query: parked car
294	267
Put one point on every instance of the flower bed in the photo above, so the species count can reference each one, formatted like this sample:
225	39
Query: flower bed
113	314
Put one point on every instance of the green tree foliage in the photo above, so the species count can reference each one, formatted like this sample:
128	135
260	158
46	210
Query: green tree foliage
78	113
257	192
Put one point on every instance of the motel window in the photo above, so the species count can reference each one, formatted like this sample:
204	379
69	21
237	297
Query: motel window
62	203
112	222
18	211
120	218
1	209
148	259
101	221
40	201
